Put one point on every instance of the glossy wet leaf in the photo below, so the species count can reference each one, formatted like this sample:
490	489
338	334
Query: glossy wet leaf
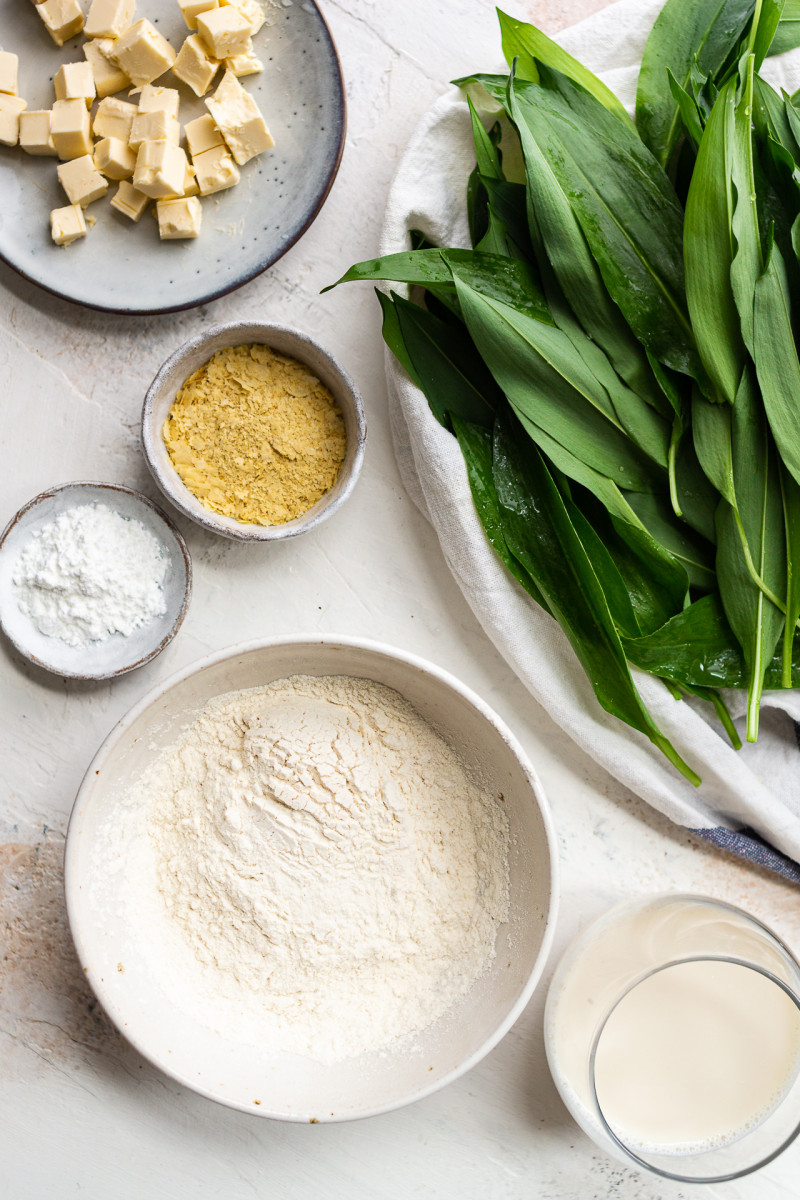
776	360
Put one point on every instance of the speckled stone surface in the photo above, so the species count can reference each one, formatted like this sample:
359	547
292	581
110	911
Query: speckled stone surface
80	1113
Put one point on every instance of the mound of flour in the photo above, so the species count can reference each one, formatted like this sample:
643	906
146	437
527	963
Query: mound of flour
328	861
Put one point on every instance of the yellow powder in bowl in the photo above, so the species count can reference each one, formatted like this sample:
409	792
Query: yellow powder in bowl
256	436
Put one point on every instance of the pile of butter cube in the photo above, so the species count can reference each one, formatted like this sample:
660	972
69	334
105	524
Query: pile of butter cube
138	146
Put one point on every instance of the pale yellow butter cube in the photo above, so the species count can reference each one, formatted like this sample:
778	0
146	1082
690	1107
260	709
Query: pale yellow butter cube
9	73
114	158
192	8
70	130
129	201
75	81
11	108
34	132
109	18
224	32
62	19
81	180
108	77
179	218
244	64
215	170
251	11
159	99
160	170
155	126
143	53
114	118
194	66
67	224
201	135
239	120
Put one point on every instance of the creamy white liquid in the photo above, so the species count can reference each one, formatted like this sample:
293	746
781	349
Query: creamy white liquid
694	1056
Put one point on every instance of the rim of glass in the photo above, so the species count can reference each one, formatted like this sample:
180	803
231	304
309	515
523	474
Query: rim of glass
631	1154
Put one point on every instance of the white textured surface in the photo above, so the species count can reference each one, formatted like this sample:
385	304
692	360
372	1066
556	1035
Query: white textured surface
81	1113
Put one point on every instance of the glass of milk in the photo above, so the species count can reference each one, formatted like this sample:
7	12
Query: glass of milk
672	1030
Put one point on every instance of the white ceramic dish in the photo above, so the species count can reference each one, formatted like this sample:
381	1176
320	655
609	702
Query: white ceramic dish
117	655
192	355
122	266
246	1077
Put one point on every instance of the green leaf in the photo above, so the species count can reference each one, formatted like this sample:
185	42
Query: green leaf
709	251
393	337
626	208
776	360
756	622
538	369
554	225
476	446
542	536
529	46
447	366
494	85
486	150
790	495
711	431
684	31
787	35
508	201
693	552
765	27
747	263
697	647
688	110
697	497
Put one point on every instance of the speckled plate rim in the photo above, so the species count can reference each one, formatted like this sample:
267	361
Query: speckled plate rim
259	268
187	592
72	883
172	486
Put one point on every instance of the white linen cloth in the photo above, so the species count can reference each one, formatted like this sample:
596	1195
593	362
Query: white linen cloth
755	791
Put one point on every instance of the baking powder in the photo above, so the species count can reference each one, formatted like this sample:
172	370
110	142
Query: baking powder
327	862
90	573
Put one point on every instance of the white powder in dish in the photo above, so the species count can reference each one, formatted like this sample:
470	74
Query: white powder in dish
334	870
90	573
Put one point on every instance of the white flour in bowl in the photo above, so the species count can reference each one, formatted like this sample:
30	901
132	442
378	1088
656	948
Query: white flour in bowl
326	861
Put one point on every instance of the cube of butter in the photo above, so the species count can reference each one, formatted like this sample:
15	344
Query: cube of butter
82	182
179	218
195	66
75	81
215	170
202	134
69	127
191	9
108	77
114	118
224	32
10	109
239	120
244	64
114	158
160	170
159	99
62	20
109	18
34	132
251	11
129	201
156	126
9	72
143	53
67	224
190	187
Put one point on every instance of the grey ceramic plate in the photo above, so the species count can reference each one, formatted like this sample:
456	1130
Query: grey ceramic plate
123	267
116	655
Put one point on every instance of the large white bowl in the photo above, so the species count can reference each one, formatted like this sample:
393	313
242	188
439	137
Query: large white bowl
286	1086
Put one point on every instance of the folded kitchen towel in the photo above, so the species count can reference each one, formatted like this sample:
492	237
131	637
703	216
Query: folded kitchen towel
749	801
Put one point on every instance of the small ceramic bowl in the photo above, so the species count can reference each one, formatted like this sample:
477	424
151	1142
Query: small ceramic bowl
118	654
118	947
194	354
